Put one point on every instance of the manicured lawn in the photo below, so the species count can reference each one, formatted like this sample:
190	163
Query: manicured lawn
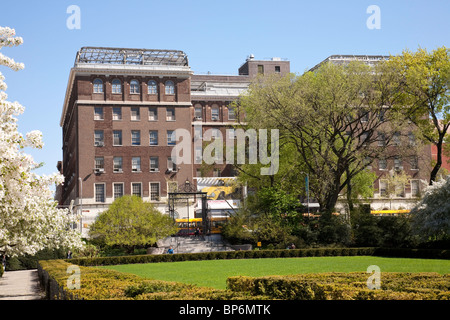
213	273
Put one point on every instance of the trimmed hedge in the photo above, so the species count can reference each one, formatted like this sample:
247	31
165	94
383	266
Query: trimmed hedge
346	286
102	284
255	254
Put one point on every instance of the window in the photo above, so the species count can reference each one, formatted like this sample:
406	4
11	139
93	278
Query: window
383	188
415	188
152	114
135	114
134	86
382	164
136	164
152	88
98	86
153	138
398	164
171	164
364	116
260	69
116	86
198	132
98	138
231	113
136	189
170	87
117	113
117	164
154	164
98	113
215	133
396	138
215	112
198	155
135	138
171	139
411	139
414	161
381	139
231	133
117	137
198	112
363	138
400	190
118	190
99	192
170	114
198	173
99	163
154	191
277	69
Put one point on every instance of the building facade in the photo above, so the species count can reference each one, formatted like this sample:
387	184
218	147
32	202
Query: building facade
120	113
123	106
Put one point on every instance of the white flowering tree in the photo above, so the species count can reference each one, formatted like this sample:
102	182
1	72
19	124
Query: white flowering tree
29	218
431	216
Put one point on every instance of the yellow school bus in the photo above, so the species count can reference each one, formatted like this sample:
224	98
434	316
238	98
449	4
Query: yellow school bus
388	212
187	228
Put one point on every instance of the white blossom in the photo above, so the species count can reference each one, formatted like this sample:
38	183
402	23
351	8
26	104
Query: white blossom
29	217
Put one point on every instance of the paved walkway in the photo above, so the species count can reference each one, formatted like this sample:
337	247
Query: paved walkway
20	285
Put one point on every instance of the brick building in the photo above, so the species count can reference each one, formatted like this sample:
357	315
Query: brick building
121	109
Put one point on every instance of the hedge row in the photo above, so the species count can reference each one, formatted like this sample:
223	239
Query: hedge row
103	284
255	254
345	286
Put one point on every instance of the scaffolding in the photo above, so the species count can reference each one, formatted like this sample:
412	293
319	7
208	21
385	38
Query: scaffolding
124	56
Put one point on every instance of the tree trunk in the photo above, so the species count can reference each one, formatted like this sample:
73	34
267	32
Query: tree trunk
437	166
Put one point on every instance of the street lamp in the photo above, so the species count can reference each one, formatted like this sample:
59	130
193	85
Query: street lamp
307	189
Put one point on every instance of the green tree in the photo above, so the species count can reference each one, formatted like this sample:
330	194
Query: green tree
130	222
332	118
425	79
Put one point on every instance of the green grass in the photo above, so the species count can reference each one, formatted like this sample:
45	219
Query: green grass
213	273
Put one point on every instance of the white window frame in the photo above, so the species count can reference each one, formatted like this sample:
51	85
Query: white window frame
117	116
169	87
98	85
152	113
116	168
135	140
134	87
116	86
153	87
98	113
136	166
171	138
140	188
171	116
154	168
159	191
104	192
135	114
100	140
114	189
121	138
152	139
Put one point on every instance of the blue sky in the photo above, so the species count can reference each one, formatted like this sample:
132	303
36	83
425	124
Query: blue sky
216	35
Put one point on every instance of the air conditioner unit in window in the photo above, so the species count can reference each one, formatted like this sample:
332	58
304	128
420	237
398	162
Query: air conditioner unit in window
214	118
99	170
154	169
99	144
197	118
169	170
